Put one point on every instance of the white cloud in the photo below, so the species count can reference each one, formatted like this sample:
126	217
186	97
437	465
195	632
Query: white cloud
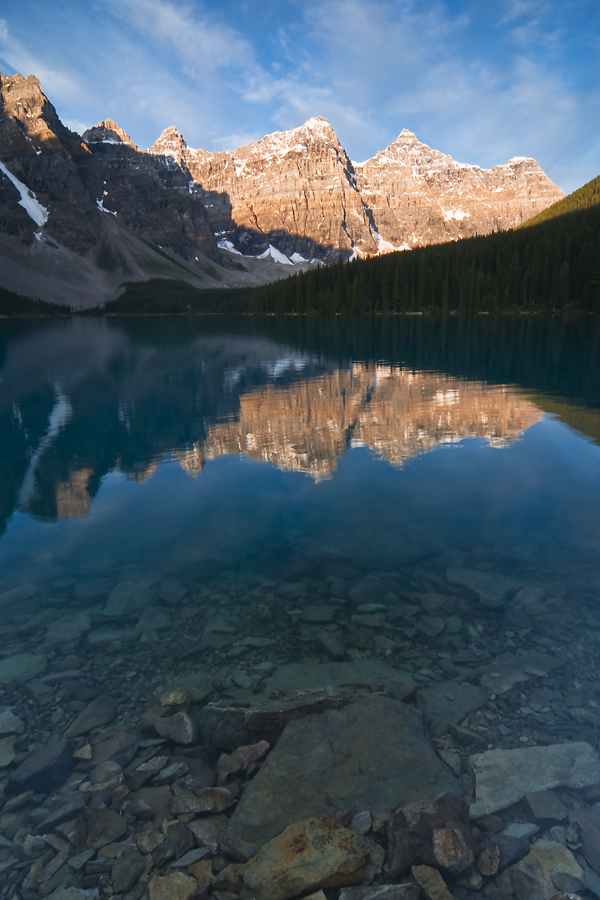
476	81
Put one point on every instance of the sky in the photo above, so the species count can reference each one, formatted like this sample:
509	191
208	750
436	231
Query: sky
480	81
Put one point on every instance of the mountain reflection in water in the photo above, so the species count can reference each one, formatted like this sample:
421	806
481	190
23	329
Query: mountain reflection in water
397	412
81	399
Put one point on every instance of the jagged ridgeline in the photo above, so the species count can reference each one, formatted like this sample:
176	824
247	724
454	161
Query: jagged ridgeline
552	263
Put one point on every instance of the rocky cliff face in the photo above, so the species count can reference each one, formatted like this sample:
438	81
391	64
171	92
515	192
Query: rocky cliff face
299	192
420	196
295	189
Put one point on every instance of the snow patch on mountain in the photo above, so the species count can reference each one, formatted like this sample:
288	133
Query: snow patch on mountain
28	201
224	244
458	214
275	254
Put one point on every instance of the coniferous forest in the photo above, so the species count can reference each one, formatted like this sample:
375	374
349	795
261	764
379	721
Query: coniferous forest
552	263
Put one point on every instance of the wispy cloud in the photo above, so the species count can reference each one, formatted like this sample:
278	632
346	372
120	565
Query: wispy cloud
480	82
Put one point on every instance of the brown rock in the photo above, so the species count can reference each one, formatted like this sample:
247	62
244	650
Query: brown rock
434	832
240	759
488	861
533	878
431	883
104	826
307	855
179	840
229	879
172	887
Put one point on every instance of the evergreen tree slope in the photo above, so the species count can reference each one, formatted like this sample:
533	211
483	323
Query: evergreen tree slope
585	197
554	265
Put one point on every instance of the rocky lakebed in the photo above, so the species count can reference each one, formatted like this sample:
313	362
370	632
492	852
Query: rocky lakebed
384	735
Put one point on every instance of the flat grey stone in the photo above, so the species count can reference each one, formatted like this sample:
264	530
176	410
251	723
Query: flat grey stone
46	768
154	618
100	711
314	613
506	670
490	588
101	637
10	723
128	597
91	588
293	677
588	821
218	633
430	626
503	777
521	829
22	667
405	891
373	754
7	752
16	594
68	628
447	703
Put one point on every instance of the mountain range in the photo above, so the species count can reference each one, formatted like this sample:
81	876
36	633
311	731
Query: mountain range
81	214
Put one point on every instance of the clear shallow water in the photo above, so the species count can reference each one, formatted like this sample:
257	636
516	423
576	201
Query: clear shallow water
250	469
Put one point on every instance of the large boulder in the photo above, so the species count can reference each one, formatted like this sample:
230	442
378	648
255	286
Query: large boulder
372	754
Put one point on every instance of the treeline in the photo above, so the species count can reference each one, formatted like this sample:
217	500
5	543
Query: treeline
12	304
173	297
552	266
584	197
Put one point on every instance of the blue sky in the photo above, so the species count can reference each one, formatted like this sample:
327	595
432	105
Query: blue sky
480	81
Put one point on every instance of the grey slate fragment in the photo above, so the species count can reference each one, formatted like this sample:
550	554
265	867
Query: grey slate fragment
373	754
99	712
447	703
292	677
45	769
588	821
503	777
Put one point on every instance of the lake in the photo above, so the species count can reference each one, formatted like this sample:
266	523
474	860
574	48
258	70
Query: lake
246	500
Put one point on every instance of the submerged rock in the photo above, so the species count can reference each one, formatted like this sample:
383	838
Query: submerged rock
535	877
490	589
310	676
373	753
99	712
447	703
434	832
313	853
502	777
45	769
22	667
